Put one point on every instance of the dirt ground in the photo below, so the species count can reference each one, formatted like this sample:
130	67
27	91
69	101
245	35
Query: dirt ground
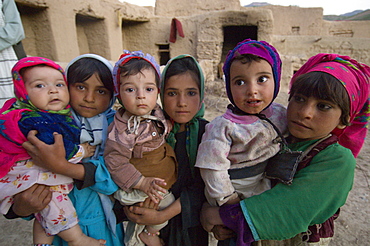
352	226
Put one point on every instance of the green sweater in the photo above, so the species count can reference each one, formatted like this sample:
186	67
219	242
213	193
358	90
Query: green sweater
317	192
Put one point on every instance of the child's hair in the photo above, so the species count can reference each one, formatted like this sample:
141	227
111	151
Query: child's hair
325	87
184	65
247	58
137	65
82	69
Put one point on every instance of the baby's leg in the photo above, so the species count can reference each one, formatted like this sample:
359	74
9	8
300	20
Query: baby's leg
150	236
39	234
75	237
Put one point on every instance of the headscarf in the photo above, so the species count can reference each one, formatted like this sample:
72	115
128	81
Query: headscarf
11	137
355	77
94	130
124	58
261	49
192	127
20	88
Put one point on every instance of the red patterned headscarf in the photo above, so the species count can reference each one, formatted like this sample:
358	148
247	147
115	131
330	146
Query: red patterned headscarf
355	77
19	87
124	58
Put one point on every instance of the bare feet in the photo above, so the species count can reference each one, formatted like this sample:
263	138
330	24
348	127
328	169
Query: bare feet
150	238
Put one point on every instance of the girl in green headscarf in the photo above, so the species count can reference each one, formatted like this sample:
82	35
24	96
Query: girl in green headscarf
182	92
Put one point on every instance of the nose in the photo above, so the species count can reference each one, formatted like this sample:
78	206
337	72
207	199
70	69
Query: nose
251	89
53	89
306	111
181	102
140	94
89	97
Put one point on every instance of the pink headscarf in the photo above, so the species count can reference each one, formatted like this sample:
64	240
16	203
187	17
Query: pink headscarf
11	137
19	87
355	78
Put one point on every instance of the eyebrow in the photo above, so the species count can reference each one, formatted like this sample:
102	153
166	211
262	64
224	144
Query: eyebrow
187	89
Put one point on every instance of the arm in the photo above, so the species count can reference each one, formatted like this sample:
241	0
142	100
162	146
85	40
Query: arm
30	201
213	162
12	32
117	157
52	157
315	195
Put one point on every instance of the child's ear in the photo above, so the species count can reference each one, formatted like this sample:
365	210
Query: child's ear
342	126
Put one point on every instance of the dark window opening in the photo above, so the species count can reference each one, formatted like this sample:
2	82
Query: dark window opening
164	53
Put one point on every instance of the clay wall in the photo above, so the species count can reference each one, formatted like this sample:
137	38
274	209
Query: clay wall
63	29
175	8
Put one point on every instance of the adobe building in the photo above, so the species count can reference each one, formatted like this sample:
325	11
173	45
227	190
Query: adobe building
207	29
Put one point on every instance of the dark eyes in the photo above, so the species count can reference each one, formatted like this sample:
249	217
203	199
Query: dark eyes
323	106
239	82
189	93
262	79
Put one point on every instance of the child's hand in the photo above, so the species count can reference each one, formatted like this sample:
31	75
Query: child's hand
151	186
89	150
148	203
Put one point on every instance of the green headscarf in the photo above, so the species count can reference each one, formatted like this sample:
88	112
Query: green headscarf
192	127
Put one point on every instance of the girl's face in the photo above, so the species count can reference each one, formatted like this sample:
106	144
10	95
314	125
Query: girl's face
139	92
252	85
181	98
310	118
89	97
46	88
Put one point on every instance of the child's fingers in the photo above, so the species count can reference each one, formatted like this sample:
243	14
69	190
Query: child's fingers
154	198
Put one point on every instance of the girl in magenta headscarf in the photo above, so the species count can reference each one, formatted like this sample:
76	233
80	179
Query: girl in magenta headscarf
42	104
328	107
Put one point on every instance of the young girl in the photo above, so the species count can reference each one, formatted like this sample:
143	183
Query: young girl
329	95
41	104
91	89
235	148
182	93
137	155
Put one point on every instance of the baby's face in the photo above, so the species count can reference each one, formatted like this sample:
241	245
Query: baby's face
139	92
46	88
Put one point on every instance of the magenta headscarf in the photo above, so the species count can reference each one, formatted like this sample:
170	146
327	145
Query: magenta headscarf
19	88
355	78
258	48
11	137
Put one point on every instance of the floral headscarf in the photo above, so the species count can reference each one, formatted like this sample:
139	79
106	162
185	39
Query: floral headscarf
355	77
258	48
124	58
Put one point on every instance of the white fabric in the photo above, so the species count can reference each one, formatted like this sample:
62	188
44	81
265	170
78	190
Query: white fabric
7	60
